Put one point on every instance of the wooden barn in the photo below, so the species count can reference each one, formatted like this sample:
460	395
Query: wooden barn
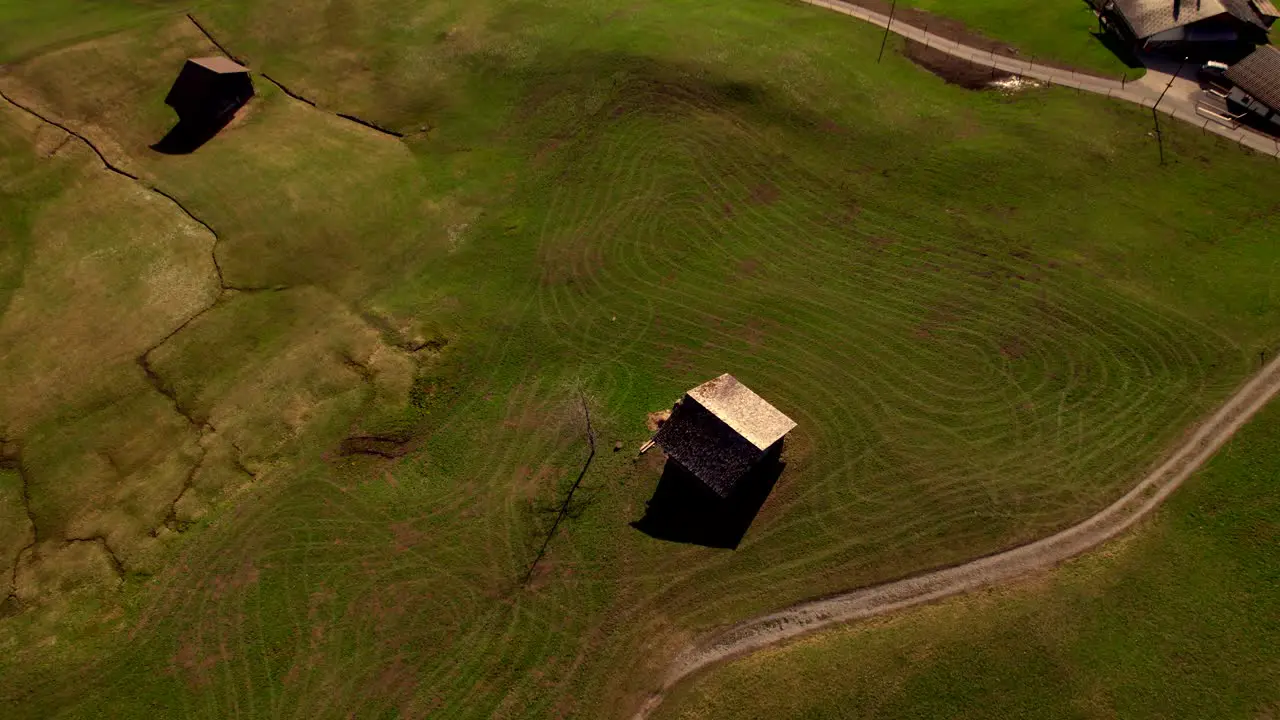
209	90
1256	84
720	431
1188	27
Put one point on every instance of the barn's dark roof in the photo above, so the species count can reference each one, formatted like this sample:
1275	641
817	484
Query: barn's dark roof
219	65
706	446
719	430
1151	17
209	89
1259	75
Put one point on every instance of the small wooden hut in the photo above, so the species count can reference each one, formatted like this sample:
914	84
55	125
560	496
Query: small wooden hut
209	90
721	430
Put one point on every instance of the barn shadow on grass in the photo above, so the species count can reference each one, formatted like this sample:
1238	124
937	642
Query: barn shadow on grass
188	136
685	510
1122	49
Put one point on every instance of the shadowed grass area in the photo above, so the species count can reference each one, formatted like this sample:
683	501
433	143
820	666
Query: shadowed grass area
988	314
1180	619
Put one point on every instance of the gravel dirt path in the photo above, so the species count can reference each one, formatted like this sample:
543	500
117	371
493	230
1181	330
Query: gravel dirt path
751	635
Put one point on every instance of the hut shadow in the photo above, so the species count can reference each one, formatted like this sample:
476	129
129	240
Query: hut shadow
685	510
188	135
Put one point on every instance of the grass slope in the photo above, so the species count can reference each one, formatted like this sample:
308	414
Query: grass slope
1180	620
988	314
27	28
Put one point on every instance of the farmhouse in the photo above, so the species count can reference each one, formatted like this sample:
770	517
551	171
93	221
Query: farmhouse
1185	24
720	430
209	90
1256	83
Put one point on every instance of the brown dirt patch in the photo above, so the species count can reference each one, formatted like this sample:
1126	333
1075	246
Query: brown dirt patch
952	69
528	482
386	447
195	665
245	576
1013	348
405	536
654	420
765	194
754	332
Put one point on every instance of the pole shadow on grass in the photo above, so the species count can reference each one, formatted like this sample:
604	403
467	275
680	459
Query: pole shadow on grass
190	135
685	510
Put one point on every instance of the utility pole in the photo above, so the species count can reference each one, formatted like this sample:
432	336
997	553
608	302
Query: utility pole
888	25
1155	117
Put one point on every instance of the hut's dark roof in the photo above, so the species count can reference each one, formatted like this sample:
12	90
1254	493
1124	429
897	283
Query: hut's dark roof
706	446
209	88
1259	75
720	430
219	65
1151	17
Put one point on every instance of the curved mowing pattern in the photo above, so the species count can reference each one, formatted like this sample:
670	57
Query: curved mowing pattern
955	378
956	393
757	633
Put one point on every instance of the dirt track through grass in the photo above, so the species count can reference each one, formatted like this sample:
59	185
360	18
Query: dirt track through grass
752	635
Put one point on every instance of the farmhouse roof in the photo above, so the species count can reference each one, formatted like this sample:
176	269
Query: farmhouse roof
219	65
1151	17
720	430
746	412
1259	75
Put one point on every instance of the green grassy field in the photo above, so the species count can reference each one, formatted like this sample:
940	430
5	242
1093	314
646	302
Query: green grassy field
30	27
988	314
1180	619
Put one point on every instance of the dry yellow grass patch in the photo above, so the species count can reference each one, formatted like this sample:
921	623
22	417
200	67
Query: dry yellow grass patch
114	270
53	569
268	370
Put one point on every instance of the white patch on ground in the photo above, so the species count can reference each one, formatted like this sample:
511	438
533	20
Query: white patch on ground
1017	83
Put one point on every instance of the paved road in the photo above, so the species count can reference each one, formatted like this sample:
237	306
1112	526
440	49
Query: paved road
751	635
1177	103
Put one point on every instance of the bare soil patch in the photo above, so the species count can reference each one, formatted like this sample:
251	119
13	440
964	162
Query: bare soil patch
654	420
765	193
952	69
